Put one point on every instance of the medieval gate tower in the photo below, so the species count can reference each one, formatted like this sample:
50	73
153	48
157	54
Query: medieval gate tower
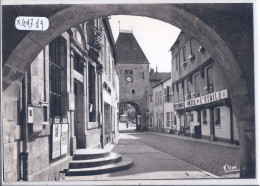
134	75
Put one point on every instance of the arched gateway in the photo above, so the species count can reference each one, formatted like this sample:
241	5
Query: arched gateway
225	30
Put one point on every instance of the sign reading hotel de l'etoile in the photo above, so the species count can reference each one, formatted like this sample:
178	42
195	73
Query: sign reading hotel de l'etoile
209	98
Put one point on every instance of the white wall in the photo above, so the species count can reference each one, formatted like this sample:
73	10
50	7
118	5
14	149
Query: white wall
223	131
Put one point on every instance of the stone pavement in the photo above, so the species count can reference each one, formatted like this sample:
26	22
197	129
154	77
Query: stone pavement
204	154
149	164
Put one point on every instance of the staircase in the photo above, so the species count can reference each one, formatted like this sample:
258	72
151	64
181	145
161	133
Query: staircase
97	161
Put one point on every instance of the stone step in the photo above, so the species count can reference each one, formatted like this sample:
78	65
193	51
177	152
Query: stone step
112	158
87	154
126	163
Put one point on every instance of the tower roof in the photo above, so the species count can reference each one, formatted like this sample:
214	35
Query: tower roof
128	49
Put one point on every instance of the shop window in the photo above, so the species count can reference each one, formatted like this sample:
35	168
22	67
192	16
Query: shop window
57	54
217	116
204	117
128	71
210	86
92	93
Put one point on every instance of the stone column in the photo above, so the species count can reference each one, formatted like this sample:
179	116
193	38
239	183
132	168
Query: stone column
247	148
243	108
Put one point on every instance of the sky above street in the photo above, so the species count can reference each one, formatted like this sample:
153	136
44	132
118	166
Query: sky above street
155	38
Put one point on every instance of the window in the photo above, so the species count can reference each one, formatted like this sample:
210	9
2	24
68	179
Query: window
167	94
217	116
128	71
210	86
161	119
92	93
204	116
168	118
191	49
184	53
133	91
45	114
198	116
151	122
177	61
188	86
185	120
109	63
151	98
157	119
179	92
57	56
196	83
191	116
78	64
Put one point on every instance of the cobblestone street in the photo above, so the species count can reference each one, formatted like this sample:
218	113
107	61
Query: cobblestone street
206	156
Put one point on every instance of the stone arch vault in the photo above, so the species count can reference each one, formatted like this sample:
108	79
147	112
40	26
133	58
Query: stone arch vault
225	30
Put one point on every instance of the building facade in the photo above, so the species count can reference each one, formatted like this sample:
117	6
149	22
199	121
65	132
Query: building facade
68	100
201	99
161	106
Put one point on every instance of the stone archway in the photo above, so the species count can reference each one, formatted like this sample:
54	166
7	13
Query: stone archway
227	38
138	111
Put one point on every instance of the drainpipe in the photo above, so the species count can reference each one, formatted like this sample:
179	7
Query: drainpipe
231	125
24	154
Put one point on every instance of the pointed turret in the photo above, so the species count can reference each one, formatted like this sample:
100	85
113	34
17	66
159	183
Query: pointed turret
128	49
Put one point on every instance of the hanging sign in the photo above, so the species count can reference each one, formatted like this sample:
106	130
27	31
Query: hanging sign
209	98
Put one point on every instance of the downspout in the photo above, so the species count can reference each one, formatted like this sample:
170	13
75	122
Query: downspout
231	124
24	154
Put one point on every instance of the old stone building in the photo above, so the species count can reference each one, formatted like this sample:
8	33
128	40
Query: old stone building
68	100
201	96
134	75
160	102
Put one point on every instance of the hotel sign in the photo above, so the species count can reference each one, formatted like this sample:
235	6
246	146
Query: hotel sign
209	98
